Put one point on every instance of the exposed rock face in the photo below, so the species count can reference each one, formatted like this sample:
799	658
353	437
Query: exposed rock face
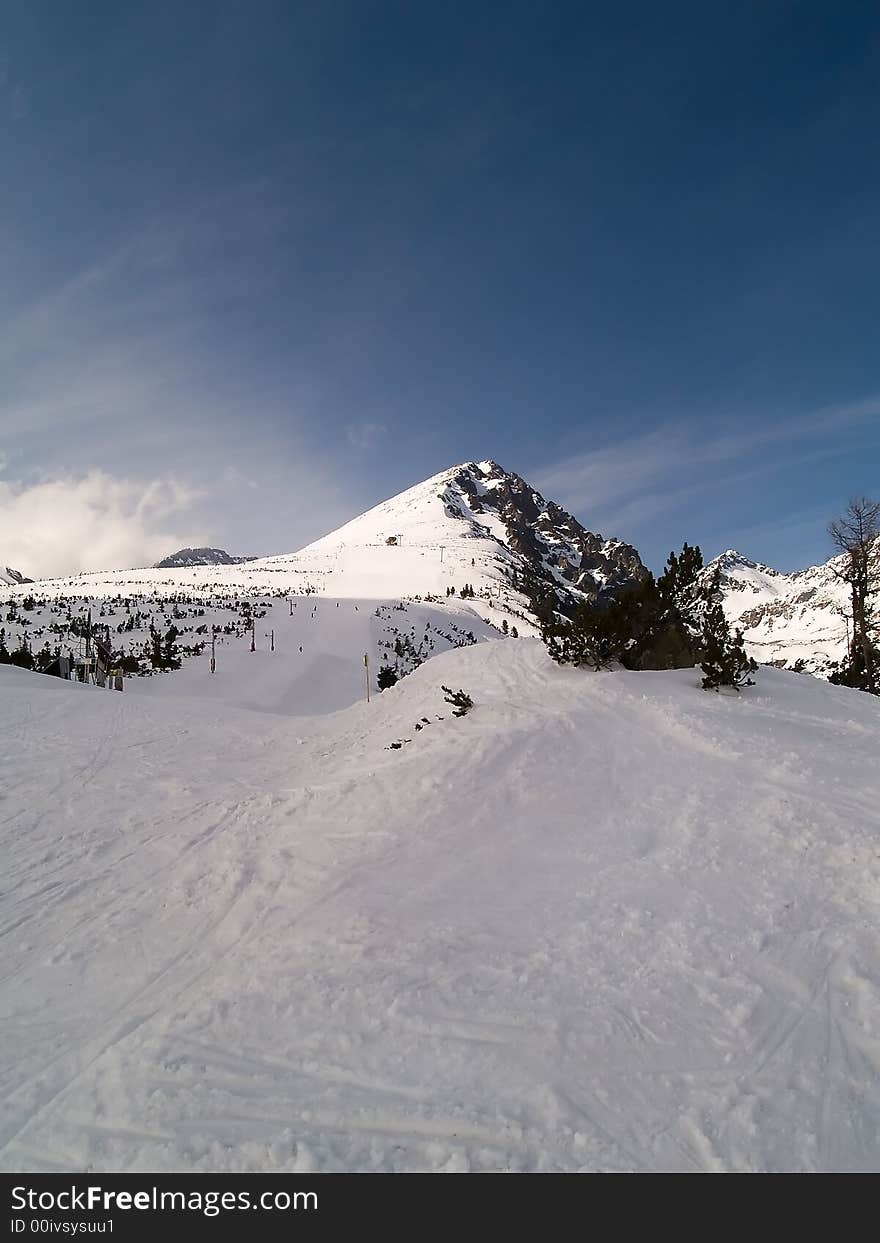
786	618
13	577
561	551
199	556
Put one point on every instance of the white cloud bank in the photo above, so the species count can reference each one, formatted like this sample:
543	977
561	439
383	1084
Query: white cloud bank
63	525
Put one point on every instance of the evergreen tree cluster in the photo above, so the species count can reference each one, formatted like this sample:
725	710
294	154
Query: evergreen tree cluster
164	652
22	656
673	622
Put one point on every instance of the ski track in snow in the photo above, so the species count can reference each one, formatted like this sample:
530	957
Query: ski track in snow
602	922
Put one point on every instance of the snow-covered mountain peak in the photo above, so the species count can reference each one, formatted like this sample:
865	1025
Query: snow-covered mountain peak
13	578
493	525
730	559
801	616
740	575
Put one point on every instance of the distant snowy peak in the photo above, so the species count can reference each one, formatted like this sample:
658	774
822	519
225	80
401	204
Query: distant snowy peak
786	618
13	578
199	556
740	576
733	562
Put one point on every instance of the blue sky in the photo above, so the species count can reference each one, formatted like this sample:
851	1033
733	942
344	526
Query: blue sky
265	264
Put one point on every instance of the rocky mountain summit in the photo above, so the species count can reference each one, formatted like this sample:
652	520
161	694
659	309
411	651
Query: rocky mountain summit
13	578
199	556
554	543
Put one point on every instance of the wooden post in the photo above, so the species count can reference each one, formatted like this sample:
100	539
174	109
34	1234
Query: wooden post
367	674
213	653
272	641
253	634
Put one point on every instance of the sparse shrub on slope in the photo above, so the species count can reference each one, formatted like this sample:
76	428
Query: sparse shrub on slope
853	671
592	638
460	700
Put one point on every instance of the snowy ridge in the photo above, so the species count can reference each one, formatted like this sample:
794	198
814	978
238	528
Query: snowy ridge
238	940
787	617
11	577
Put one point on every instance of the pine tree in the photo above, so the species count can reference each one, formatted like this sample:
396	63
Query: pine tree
22	656
170	650
5	658
386	677
857	535
723	661
155	647
678	584
593	638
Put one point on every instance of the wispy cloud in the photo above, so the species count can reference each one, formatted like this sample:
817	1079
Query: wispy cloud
365	435
641	478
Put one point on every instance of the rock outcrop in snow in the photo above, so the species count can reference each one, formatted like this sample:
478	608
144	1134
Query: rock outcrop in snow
553	543
11	577
199	556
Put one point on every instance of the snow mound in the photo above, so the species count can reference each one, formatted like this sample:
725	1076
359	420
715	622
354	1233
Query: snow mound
603	921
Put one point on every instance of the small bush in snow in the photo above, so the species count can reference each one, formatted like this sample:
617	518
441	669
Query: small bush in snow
460	700
386	677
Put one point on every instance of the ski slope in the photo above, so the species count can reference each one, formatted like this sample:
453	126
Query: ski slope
602	922
317	665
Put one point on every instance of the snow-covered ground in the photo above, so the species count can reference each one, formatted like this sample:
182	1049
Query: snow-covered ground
604	921
317	665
